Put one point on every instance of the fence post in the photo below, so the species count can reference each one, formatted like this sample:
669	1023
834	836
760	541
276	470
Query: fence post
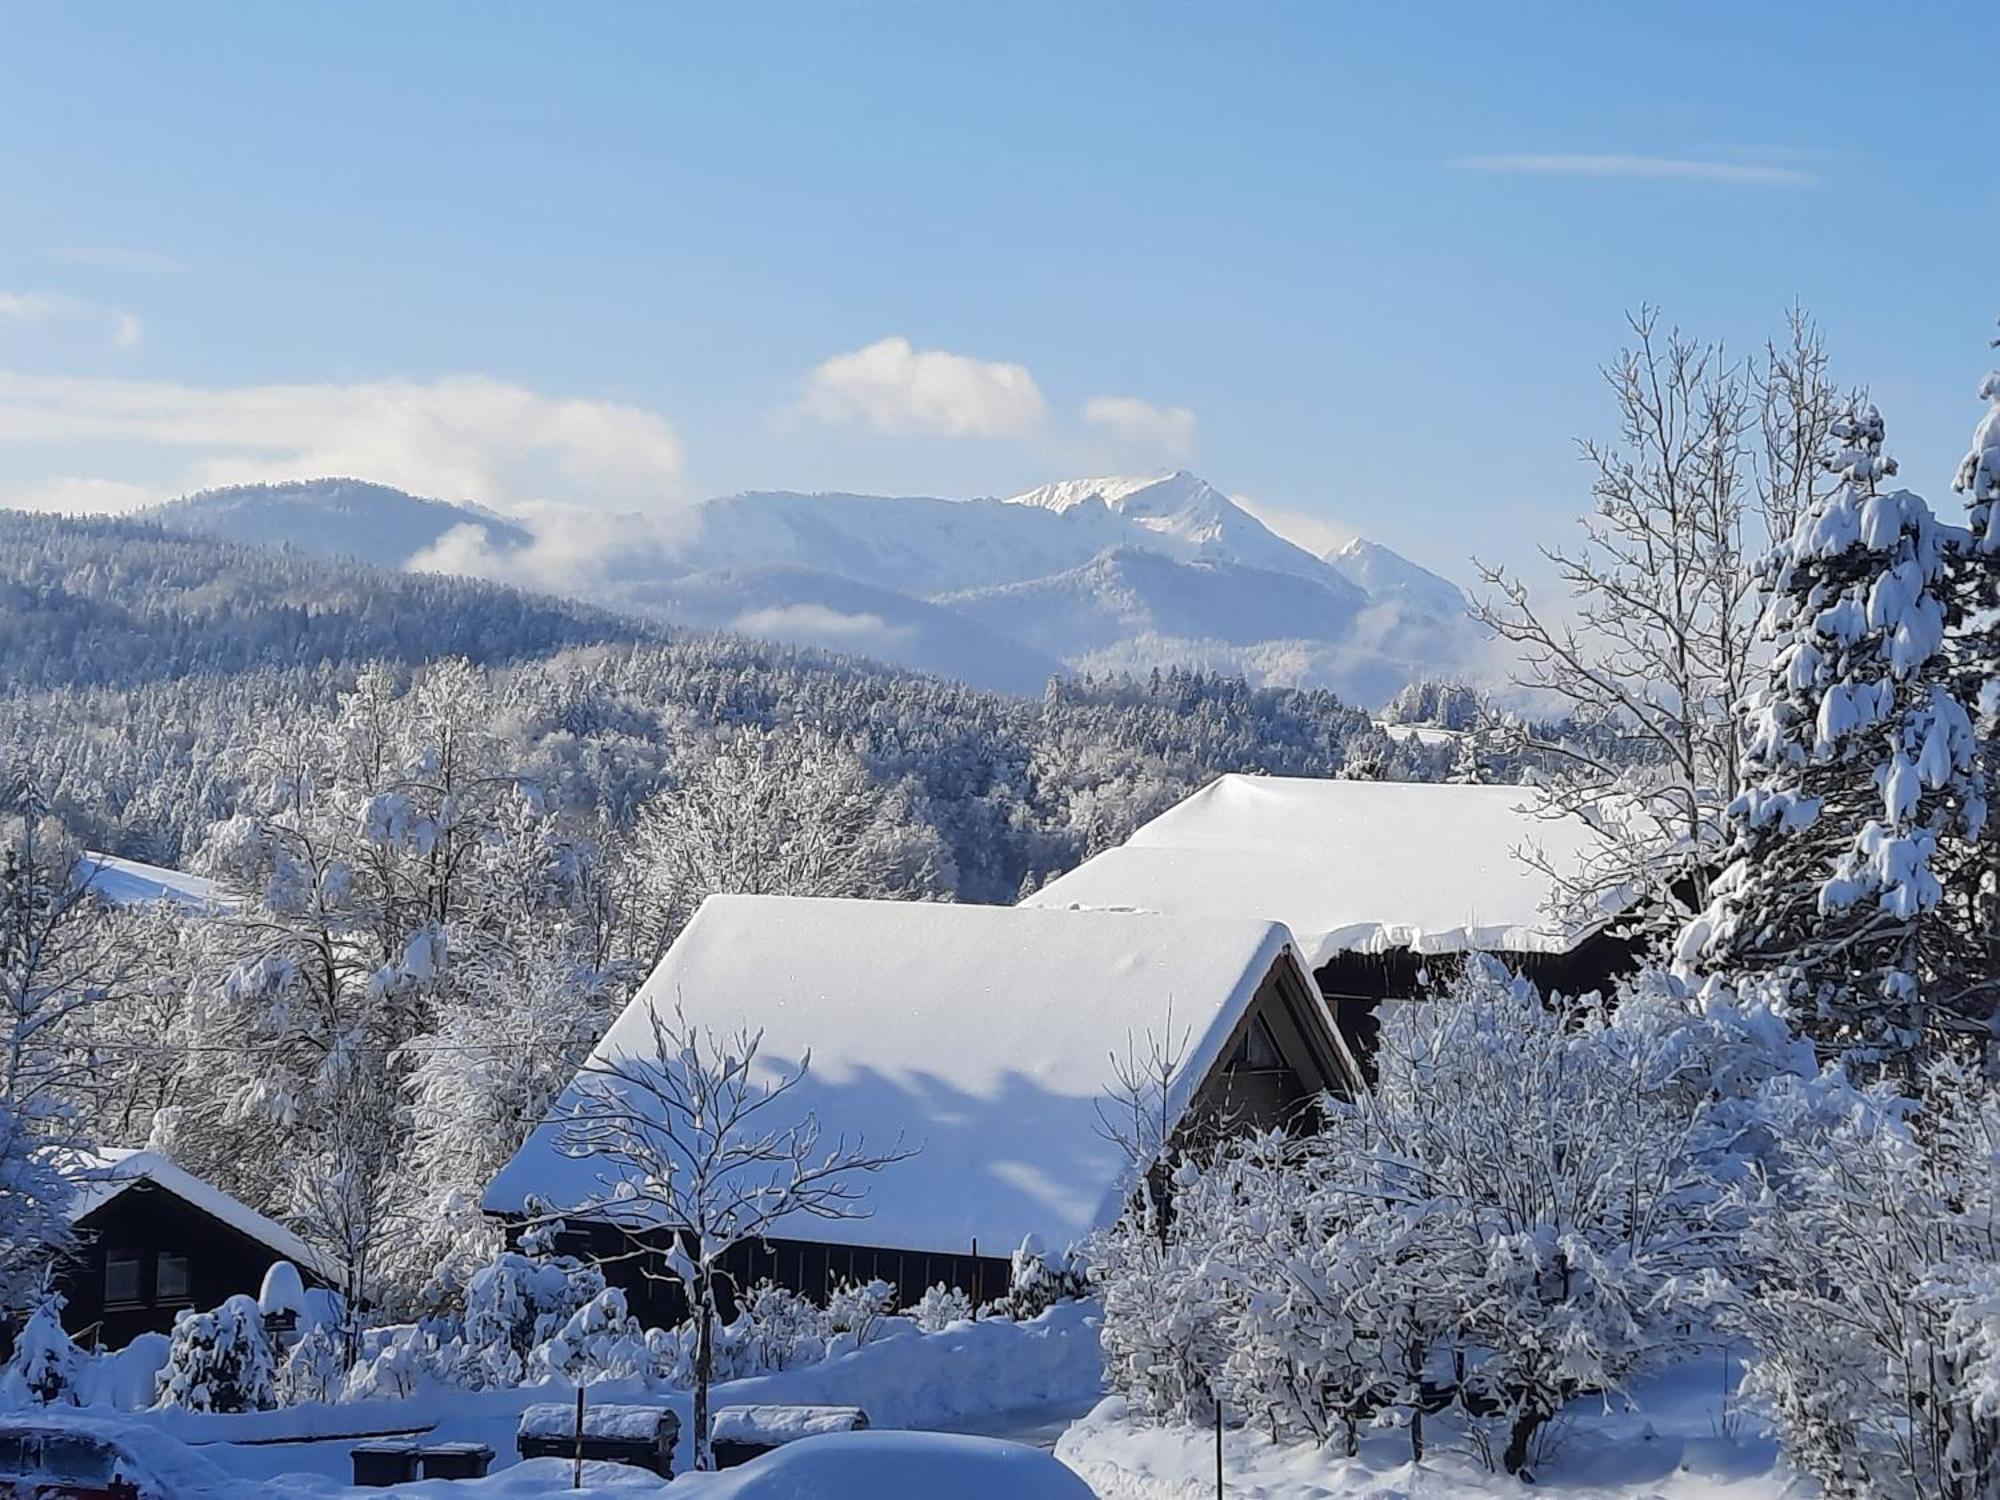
576	1472
1216	1401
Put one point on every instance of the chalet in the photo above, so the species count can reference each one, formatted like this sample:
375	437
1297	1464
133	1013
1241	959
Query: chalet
153	1239
982	1036
1383	884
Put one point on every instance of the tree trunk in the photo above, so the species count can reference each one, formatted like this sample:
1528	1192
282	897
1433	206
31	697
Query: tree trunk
1528	1420
704	1366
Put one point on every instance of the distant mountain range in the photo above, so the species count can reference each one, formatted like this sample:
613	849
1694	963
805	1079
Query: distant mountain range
1089	573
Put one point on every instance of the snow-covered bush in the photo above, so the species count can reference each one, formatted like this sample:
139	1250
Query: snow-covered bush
219	1361
1035	1283
601	1341
404	1363
1875	1303
784	1328
856	1308
1529	1206
941	1306
314	1369
518	1301
46	1363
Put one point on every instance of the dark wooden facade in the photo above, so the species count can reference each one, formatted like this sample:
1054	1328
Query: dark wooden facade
1354	985
144	1255
1278	1060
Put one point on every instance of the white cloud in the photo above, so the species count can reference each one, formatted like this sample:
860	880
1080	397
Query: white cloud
77	495
894	388
1165	433
1317	534
464	437
1615	164
120	258
123	328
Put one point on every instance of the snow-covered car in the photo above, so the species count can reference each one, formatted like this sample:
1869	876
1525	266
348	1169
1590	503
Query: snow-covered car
907	1465
61	1456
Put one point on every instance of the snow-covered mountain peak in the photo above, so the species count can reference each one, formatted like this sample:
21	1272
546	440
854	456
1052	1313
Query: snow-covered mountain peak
1180	513
1113	490
1387	575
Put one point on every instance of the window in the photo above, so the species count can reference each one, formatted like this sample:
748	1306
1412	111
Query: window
1258	1051
121	1277
173	1283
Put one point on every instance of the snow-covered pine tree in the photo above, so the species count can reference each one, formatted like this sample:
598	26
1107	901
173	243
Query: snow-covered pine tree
45	1360
1861	775
219	1361
1974	887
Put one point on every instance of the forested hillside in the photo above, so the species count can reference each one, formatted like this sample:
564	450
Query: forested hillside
93	601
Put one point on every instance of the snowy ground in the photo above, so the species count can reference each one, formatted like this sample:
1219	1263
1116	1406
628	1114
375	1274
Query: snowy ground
1022	1381
1681	1442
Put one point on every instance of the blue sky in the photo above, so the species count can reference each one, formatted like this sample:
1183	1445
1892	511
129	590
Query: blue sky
634	254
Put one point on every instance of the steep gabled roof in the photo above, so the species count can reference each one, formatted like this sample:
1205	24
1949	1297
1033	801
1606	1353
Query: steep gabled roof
1348	866
983	1035
100	1176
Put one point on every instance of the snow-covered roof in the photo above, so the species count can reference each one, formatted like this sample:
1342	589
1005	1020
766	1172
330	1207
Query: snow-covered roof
99	1176
982	1035
1347	866
128	882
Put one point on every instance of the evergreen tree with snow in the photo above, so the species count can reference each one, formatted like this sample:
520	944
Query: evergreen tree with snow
45	1361
219	1361
1975	649
1863	781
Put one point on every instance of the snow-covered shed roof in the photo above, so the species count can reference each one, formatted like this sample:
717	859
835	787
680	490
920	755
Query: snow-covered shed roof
1348	866
982	1035
128	882
99	1176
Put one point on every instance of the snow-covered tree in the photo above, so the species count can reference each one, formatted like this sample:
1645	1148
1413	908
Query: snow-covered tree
1873	1302
1714	458
1528	1207
315	1368
1863	780
693	1141
219	1361
45	1361
521	1299
791	814
1973	888
54	967
600	1341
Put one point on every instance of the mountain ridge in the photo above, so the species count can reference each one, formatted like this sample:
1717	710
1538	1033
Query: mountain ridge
994	591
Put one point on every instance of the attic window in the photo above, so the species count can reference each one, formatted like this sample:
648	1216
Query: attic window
1258	1051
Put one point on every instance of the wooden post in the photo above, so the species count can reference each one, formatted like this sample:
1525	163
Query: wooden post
1217	1400
576	1473
975	1278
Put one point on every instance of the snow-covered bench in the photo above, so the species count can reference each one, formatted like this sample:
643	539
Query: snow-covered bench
738	1434
640	1436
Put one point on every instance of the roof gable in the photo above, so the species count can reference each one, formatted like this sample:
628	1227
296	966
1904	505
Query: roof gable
100	1176
1349	866
983	1035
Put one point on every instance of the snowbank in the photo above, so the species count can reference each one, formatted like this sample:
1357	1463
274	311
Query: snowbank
879	1465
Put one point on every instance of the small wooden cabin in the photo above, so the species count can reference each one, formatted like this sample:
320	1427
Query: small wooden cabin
1385	886
987	1038
153	1240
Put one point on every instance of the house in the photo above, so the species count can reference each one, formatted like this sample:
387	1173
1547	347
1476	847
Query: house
153	1239
1383	884
983	1036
